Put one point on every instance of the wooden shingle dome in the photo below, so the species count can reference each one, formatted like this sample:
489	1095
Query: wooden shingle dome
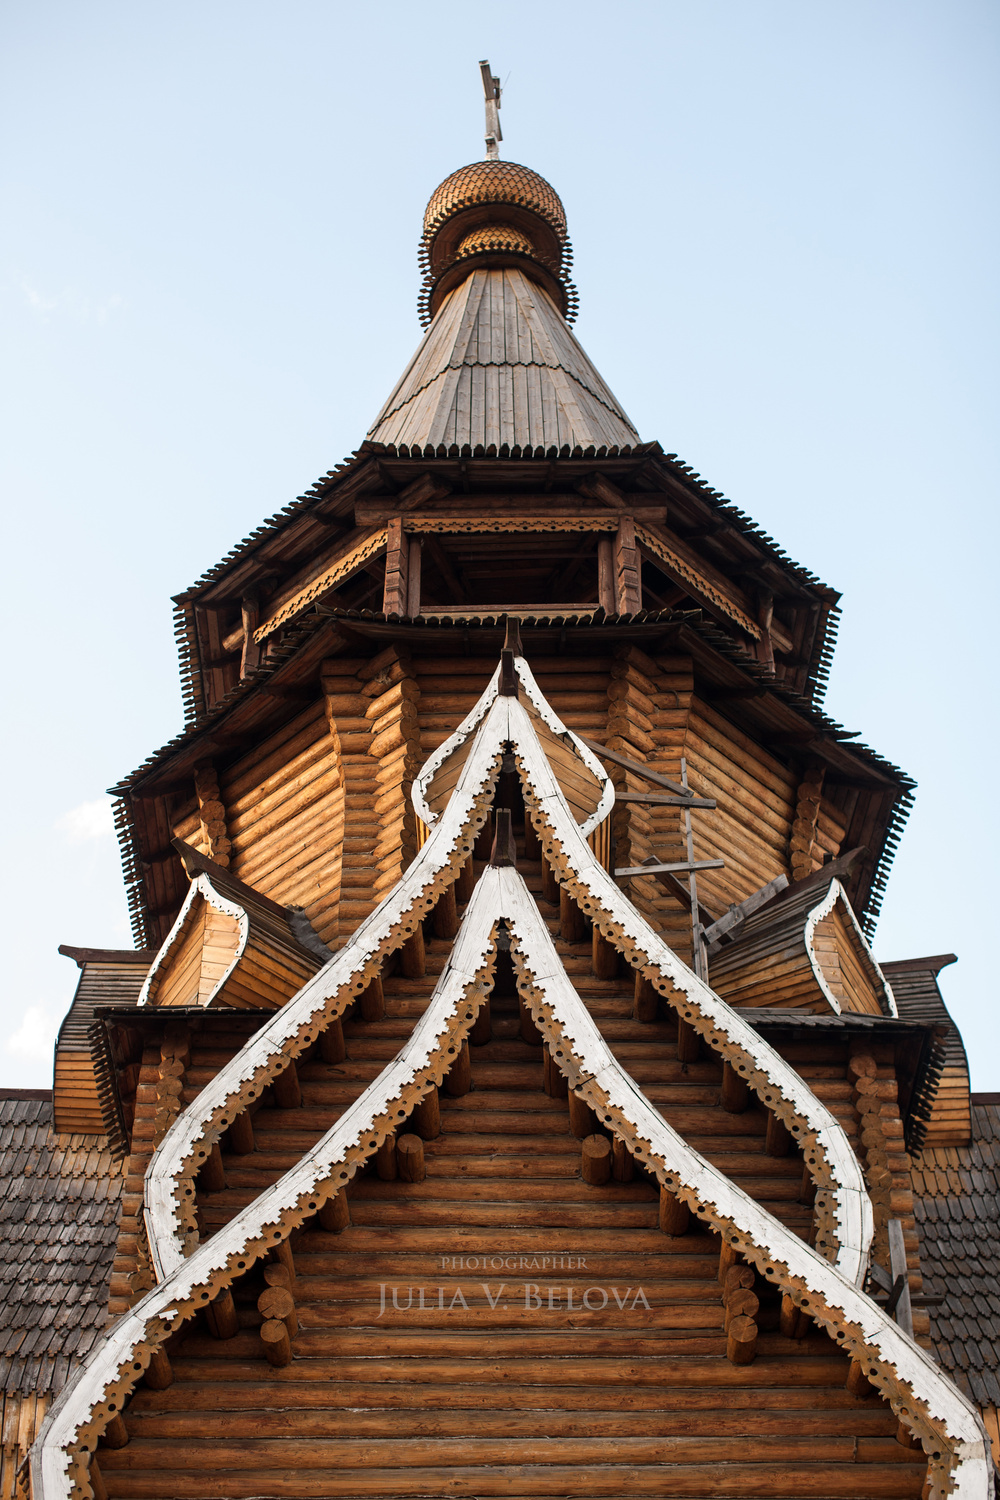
501	214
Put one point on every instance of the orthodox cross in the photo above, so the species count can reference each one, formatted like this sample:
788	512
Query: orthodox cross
494	135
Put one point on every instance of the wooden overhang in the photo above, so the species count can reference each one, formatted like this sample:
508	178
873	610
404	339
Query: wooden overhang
107	976
914	983
803	950
299	556
230	946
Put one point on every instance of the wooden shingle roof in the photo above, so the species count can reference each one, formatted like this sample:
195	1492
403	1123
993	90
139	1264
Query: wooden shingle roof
59	1202
956	1197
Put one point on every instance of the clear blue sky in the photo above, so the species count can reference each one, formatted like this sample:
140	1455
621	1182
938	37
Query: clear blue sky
785	224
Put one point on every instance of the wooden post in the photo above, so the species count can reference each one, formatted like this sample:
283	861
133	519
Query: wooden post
426	1117
550	885
371	1001
459	1078
606	575
115	1435
628	578
277	1344
331	1042
213	1173
413	577
807	1187
728	1257
221	1316
674	1215
623	1164
283	1253
857	1381
385	1159
735	1094
335	1213
532	843
466	882
413	955
159	1371
250	619
410	1158
793	1323
646	1003
905	1437
595	1160
96	1480
446	914
778	1141
529	1031
744	1303
570	918
483	846
604	956
553	1080
581	1117
739	1278
741	1341
397	557
278	1302
482	1027
240	1134
688	1041
287	1093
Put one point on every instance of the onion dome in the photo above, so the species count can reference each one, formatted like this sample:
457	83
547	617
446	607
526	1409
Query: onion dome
495	213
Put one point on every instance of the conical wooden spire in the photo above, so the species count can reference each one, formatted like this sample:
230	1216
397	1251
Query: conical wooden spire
499	365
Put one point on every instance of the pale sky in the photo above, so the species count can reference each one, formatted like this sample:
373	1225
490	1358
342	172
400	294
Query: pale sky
784	218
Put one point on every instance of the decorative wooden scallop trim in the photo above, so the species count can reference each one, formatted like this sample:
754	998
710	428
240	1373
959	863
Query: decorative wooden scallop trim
341	568
98	1389
834	894
909	1378
422	785
482	525
843	1210
919	1392
698	581
169	1184
201	887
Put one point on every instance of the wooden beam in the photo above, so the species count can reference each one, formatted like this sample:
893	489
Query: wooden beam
664	799
738	913
377	511
636	767
397	557
674	868
628	580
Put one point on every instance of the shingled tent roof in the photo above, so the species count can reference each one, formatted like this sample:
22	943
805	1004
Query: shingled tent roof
956	1199
59	1201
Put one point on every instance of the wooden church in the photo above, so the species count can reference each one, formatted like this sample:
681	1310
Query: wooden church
503	1098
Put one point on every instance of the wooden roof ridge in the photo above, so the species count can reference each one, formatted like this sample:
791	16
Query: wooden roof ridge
498	319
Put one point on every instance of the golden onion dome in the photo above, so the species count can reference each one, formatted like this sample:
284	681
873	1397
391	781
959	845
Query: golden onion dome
495	213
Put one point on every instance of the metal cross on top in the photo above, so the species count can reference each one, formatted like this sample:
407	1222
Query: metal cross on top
491	88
